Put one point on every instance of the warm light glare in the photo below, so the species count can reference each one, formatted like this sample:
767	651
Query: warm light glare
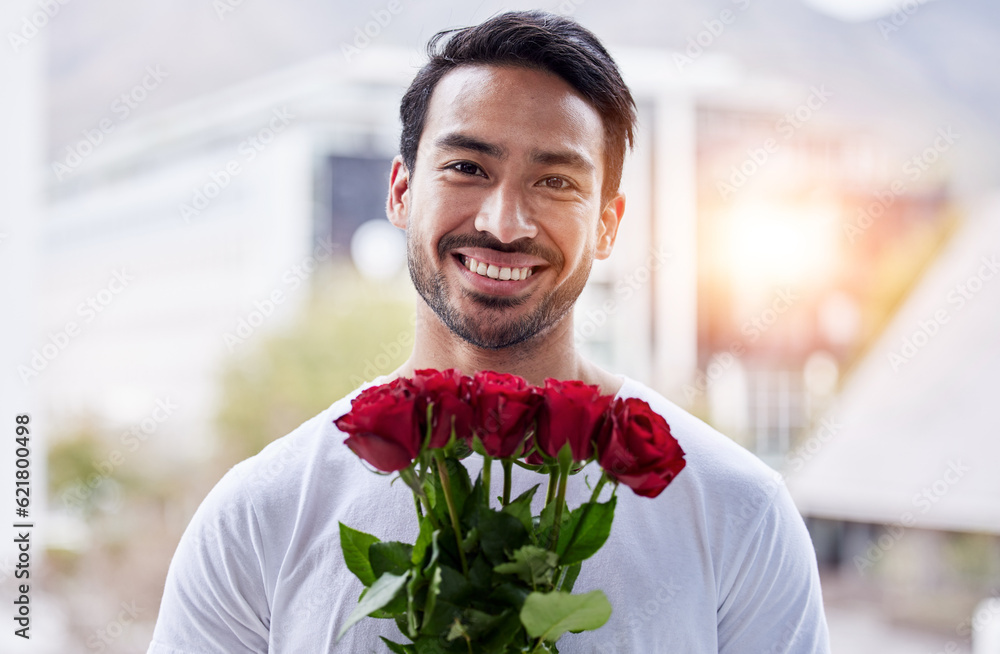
768	245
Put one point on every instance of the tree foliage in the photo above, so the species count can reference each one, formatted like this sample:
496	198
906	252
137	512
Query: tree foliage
349	331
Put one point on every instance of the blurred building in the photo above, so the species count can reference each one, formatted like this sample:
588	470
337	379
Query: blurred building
752	252
173	241
900	486
802	220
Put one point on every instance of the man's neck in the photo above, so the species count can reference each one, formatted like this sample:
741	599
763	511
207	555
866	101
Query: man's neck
552	354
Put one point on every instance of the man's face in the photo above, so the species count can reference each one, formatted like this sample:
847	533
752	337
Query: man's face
502	213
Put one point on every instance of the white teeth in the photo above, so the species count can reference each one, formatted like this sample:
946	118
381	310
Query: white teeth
495	272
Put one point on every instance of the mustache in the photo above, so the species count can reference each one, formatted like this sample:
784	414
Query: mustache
527	246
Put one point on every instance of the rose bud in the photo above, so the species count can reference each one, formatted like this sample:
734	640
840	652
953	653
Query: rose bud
382	425
571	413
637	449
505	407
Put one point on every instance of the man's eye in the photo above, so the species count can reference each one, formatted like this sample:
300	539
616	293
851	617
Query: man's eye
556	183
467	168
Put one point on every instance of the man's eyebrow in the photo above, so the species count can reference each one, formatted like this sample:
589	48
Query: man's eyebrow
562	158
457	141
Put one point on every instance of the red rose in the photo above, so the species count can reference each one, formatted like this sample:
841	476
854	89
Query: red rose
505	409
534	459
383	425
449	393
571	413
637	449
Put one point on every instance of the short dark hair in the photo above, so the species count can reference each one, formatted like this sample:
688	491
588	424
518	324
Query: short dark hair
538	40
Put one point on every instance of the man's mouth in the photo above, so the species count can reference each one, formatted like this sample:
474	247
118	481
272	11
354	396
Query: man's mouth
494	271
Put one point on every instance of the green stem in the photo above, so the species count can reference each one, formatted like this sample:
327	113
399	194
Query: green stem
560	503
586	507
419	496
550	493
507	466
446	488
487	472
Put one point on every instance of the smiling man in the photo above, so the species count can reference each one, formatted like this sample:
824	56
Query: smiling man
504	213
514	136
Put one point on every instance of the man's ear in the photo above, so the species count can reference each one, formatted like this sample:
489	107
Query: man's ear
607	228
397	207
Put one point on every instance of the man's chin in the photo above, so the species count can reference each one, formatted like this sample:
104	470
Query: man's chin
494	302
493	334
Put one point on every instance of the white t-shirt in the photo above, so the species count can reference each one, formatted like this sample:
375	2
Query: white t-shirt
719	562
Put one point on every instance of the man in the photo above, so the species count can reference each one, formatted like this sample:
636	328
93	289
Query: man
513	140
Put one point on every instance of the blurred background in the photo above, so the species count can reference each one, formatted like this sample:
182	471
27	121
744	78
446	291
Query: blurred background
194	259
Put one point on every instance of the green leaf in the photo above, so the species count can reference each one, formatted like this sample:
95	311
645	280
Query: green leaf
444	614
435	549
411	609
479	622
423	540
520	508
533	565
432	593
461	485
506	630
509	594
481	576
500	533
383	591
354	545
391	557
430	489
549	615
569	577
589	530
471	539
455	588
457	630
565	456
458	449
398	648
547	519
469	517
429	646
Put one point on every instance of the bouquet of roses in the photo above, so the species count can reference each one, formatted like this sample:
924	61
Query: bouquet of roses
485	575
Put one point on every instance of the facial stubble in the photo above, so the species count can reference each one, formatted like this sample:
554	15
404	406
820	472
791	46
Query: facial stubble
490	325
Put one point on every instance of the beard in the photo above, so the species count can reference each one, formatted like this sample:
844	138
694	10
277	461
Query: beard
491	325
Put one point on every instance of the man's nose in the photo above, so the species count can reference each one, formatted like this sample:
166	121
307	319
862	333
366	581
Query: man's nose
505	214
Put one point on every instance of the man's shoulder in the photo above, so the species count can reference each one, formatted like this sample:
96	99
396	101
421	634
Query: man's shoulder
715	462
315	438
